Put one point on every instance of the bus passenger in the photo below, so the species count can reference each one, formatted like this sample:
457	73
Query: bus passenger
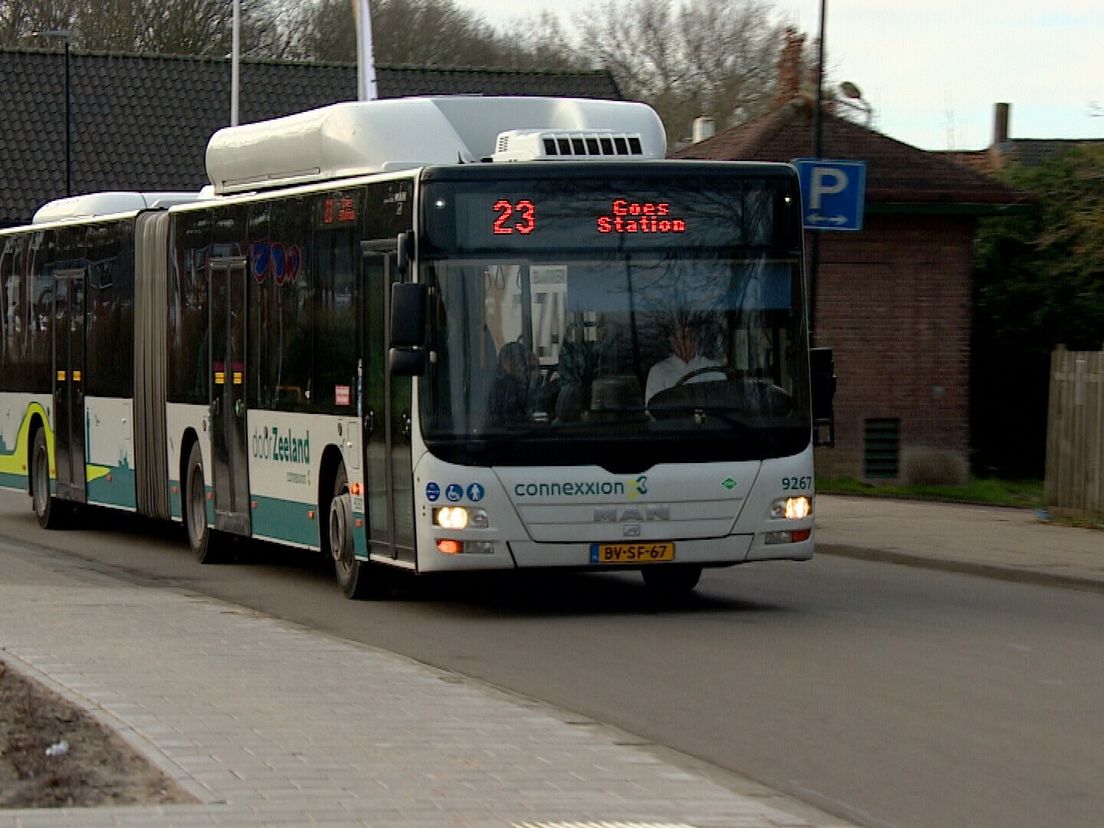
516	391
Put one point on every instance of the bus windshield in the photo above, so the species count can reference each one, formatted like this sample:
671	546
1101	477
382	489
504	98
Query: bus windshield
617	330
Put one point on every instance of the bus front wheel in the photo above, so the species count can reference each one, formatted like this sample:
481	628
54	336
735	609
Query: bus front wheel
672	580
50	511
357	579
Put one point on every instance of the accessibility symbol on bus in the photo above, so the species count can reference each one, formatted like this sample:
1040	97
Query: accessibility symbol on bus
832	193
433	491
454	492
475	492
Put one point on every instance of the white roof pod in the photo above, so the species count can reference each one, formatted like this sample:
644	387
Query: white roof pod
106	204
356	138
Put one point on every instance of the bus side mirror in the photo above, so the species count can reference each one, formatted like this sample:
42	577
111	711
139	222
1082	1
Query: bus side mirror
406	356
822	371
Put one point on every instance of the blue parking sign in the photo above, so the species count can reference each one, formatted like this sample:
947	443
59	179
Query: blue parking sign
832	193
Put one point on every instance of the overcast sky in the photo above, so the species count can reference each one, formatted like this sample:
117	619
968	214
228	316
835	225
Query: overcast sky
933	69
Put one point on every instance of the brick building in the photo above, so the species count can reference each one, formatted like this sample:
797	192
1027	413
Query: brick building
893	299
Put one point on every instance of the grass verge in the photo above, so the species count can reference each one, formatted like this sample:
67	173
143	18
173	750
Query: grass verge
1023	494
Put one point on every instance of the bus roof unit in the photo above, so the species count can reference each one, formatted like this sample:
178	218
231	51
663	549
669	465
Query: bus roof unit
592	145
92	205
358	138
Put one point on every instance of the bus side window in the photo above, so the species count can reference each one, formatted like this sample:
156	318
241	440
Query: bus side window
336	251
288	283
40	275
12	313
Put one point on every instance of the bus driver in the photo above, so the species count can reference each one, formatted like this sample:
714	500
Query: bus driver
686	358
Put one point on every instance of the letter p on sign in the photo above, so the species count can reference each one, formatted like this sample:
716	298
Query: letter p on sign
826	181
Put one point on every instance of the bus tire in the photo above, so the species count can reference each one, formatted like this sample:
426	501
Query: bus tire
673	580
194	502
50	511
357	579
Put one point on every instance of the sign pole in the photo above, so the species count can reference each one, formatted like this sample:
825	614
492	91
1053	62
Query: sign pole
818	150
366	60
235	63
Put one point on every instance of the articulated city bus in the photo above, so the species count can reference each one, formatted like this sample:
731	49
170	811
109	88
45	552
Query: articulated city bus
428	334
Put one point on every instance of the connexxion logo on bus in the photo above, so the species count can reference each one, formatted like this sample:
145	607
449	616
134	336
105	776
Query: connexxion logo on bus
582	488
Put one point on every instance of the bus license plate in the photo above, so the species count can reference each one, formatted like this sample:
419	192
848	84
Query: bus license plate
631	553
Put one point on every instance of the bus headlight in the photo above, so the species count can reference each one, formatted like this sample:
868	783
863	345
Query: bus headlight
792	508
460	517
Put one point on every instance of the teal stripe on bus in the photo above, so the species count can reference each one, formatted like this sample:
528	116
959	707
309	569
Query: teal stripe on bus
116	488
175	509
13	481
285	520
288	520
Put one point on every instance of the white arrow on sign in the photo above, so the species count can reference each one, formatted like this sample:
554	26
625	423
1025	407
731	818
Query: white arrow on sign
817	218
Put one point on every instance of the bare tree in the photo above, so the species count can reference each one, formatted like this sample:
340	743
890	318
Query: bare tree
543	43
20	18
182	27
423	32
705	57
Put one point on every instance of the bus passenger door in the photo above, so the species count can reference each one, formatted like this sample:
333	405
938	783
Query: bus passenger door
387	416
69	423
228	434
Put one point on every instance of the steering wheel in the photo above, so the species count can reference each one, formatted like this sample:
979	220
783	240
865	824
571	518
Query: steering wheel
697	372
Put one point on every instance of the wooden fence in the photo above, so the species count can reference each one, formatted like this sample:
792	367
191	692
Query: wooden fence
1075	434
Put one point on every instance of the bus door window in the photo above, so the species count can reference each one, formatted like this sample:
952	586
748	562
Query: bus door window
69	377
228	403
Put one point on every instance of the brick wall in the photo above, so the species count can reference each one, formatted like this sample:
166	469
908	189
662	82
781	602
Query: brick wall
894	302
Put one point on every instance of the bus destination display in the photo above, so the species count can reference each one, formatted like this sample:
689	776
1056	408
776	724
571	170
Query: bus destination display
624	216
546	217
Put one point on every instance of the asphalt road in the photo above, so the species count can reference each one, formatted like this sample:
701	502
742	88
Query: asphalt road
889	695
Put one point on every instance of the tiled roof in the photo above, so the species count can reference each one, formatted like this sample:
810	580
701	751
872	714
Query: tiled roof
142	122
896	172
1030	152
1034	151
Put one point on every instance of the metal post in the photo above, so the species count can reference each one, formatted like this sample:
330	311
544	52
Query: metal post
66	35
235	63
68	126
818	150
